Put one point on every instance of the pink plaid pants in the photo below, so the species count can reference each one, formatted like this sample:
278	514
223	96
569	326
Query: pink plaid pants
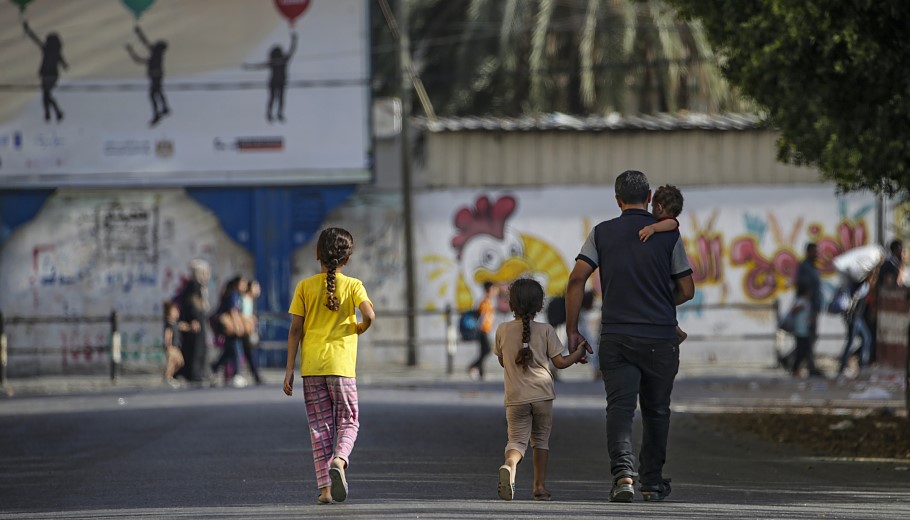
331	411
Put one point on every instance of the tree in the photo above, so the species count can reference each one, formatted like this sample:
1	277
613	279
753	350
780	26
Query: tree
831	75
519	57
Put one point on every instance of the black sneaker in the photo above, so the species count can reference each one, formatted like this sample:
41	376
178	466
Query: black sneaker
654	493
621	492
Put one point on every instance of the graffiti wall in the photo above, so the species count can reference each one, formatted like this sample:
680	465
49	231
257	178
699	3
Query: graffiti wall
91	252
744	245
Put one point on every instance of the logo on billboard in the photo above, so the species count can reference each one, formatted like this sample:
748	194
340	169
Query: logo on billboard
164	148
44	163
14	139
127	148
48	141
251	144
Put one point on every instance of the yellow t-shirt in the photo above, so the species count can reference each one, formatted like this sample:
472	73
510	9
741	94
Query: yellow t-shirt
329	345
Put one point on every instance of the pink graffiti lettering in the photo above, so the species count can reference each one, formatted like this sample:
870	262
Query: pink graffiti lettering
846	236
706	258
764	277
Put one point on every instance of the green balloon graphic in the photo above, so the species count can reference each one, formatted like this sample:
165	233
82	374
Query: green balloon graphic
21	4
137	6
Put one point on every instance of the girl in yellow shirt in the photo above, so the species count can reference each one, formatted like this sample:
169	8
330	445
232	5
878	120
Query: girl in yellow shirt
324	326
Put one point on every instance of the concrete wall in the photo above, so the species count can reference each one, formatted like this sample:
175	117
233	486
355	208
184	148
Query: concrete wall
90	252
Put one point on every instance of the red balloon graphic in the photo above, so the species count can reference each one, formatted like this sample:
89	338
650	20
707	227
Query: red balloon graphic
292	9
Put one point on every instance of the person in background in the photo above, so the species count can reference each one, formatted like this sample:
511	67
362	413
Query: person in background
892	270
807	275
486	313
251	322
857	325
193	301
173	328
228	323
802	327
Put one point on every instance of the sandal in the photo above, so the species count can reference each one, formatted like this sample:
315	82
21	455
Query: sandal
621	492
321	502
505	487
656	492
545	497
339	484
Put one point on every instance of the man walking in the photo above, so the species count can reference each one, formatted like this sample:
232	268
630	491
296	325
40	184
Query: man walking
642	282
808	275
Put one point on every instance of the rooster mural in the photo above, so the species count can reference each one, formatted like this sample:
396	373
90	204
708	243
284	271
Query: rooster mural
488	250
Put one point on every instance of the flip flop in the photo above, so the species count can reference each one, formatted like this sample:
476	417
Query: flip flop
545	497
339	484
505	487
320	502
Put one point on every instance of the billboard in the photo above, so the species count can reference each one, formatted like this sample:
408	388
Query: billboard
170	92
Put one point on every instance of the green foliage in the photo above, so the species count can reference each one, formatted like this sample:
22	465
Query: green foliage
832	75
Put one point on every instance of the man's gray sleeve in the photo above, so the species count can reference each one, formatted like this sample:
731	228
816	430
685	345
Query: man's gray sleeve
679	262
588	251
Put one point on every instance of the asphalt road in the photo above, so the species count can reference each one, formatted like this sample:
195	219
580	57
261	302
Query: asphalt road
424	451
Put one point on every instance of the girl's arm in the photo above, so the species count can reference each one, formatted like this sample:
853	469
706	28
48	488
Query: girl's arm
168	338
295	334
366	310
663	226
293	46
138	59
561	361
142	38
31	34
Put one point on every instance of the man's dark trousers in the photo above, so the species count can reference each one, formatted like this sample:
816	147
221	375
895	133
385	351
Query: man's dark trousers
643	370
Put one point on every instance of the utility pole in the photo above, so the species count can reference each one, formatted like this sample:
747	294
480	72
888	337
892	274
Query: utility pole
404	67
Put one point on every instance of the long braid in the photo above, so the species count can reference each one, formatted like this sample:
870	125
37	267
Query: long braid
333	249
523	358
332	301
526	300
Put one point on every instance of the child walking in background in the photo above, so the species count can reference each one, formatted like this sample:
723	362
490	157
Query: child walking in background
666	206
323	317
523	347
172	351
